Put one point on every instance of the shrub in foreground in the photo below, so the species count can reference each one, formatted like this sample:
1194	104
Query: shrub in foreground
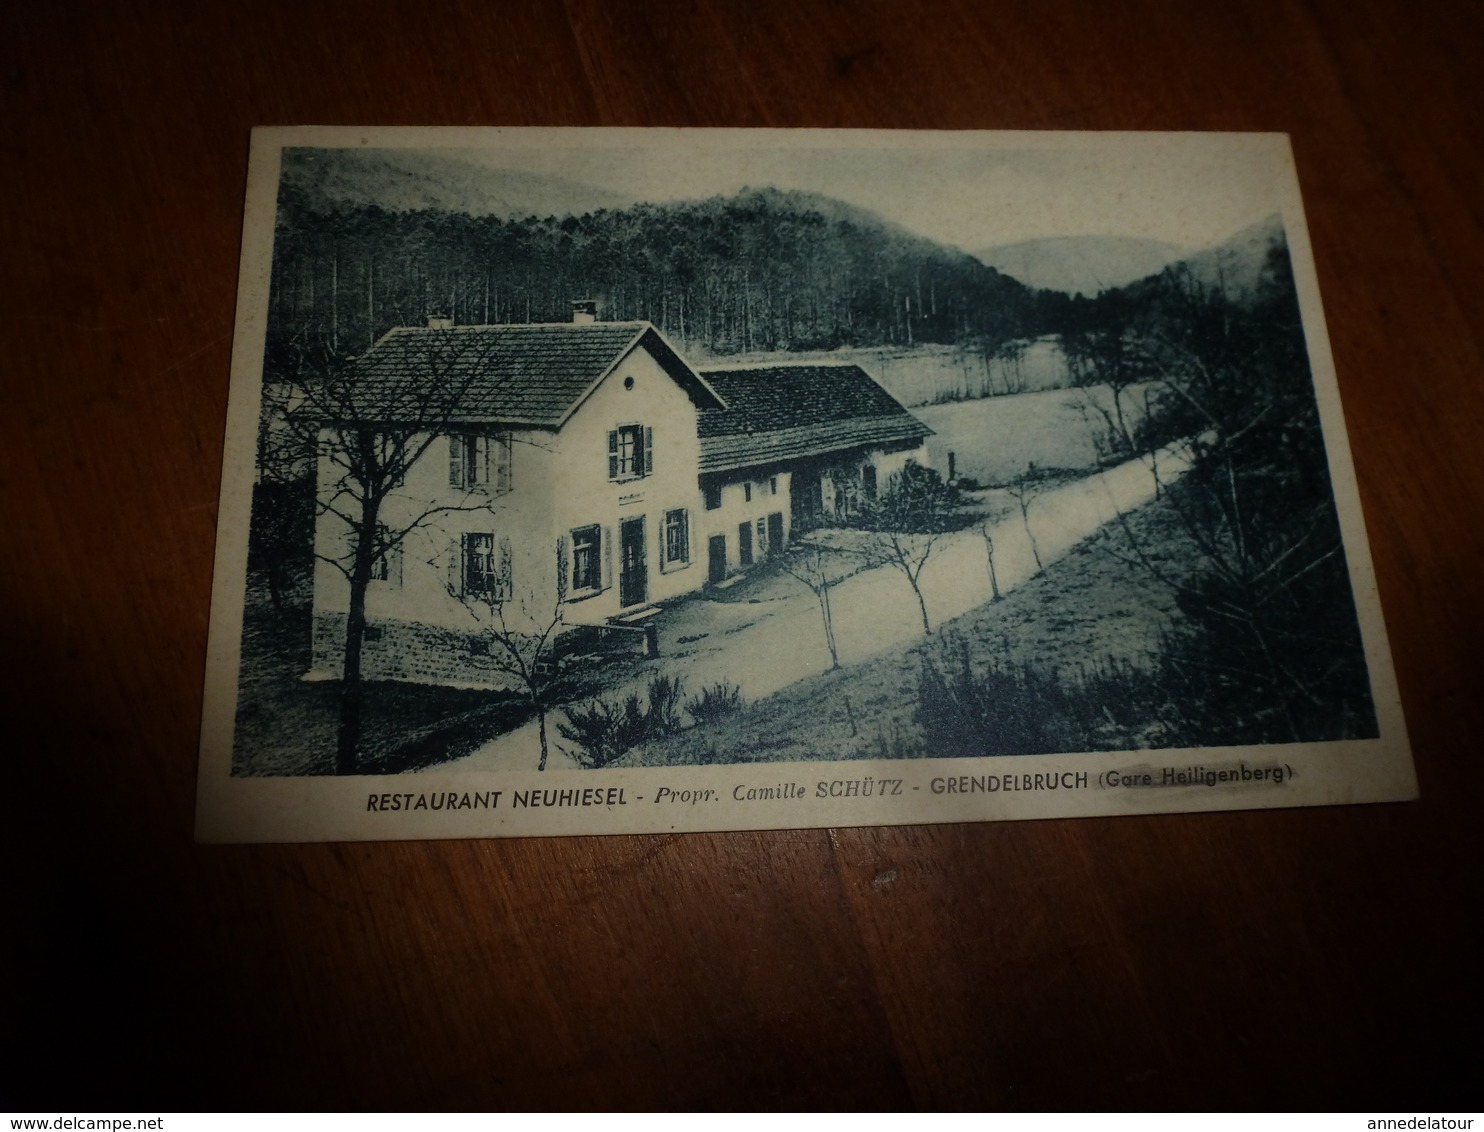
1003	709
604	729
714	703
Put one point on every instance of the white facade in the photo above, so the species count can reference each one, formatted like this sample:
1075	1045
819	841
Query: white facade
636	513
611	500
637	527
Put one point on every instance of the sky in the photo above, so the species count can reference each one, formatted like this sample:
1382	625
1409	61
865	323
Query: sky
975	190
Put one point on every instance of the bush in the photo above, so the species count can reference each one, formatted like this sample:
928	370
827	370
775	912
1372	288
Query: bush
663	716
915	499
605	729
714	703
1021	710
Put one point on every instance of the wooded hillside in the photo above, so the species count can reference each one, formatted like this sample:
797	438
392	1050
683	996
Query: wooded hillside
762	270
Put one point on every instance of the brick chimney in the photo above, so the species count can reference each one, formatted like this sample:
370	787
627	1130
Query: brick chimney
584	312
440	322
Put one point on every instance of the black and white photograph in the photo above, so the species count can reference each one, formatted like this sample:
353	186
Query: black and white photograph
585	481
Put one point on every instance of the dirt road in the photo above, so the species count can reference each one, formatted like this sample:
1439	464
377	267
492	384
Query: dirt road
778	639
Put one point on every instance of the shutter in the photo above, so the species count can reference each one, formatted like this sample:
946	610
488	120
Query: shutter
564	566
456	461
480	457
505	585
502	464
648	451
605	536
613	454
456	568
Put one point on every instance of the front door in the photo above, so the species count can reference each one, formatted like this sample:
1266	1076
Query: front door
716	550
744	544
633	574
775	533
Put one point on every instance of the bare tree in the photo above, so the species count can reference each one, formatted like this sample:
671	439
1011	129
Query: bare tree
522	631
817	568
1269	643
1110	352
907	521
1011	357
986	531
908	553
281	537
368	436
1023	489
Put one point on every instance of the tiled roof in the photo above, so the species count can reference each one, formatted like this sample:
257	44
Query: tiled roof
517	374
784	412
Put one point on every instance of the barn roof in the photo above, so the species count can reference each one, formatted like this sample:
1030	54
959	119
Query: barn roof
534	374
786	412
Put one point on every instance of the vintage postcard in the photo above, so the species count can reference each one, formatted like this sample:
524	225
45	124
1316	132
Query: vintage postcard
601	481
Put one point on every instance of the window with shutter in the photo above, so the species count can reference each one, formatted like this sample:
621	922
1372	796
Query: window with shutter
587	568
629	455
485	567
479	461
677	537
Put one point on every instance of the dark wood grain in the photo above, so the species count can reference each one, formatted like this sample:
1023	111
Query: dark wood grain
1309	958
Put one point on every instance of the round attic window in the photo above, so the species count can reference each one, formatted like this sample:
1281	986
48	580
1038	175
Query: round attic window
628	383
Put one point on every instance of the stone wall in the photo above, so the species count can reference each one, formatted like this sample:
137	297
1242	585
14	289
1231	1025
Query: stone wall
407	650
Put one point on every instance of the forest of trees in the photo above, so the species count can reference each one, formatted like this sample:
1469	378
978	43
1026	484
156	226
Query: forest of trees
761	270
1267	648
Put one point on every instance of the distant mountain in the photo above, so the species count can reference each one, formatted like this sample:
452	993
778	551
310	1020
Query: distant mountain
400	180
1236	264
1081	264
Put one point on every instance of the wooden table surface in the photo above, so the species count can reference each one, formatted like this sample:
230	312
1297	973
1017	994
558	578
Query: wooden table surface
1323	957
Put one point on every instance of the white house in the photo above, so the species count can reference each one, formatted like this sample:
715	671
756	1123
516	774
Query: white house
594	451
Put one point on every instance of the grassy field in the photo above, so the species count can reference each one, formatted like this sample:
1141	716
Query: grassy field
1089	609
995	439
